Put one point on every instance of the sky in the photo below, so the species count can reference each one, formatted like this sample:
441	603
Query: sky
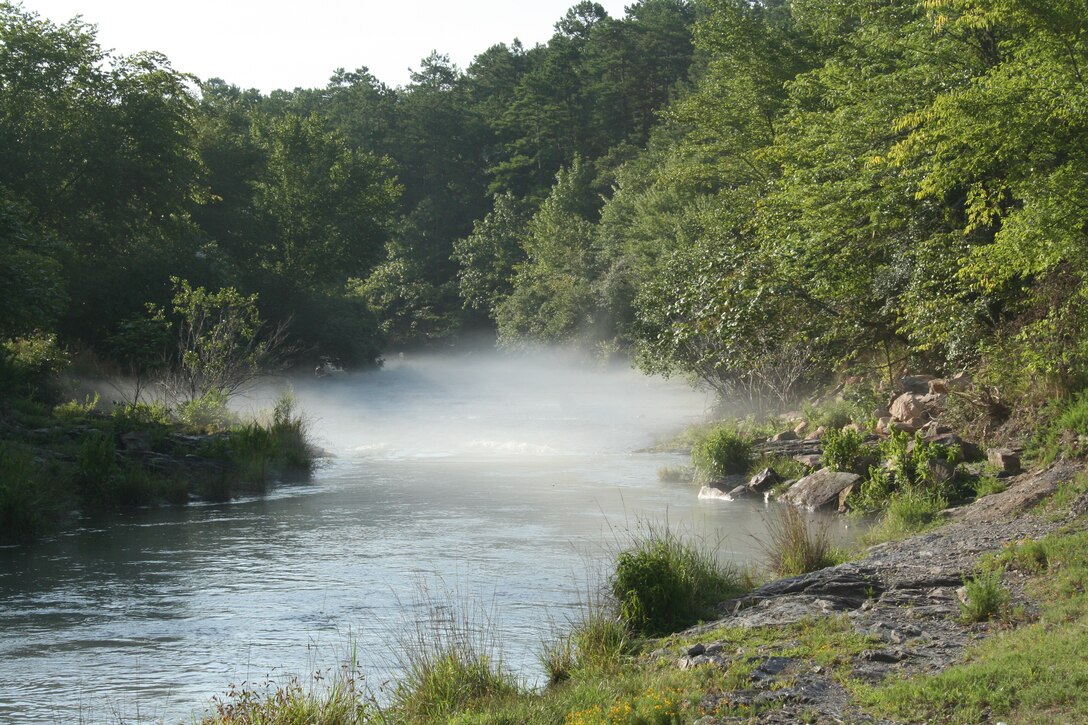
270	44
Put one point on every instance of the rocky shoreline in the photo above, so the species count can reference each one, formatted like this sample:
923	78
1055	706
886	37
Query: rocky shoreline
903	596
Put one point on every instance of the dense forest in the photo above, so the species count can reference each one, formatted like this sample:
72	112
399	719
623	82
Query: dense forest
762	194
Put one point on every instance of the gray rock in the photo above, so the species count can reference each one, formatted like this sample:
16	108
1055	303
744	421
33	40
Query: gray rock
764	480
1005	460
696	650
786	435
819	490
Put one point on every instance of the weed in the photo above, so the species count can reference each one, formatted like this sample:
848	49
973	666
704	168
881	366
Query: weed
797	545
96	464
909	510
27	498
786	467
988	485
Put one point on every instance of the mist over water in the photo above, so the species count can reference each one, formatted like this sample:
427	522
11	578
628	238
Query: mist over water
508	480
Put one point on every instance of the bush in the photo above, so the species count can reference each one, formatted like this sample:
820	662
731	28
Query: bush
797	545
722	451
663	583
841	449
986	597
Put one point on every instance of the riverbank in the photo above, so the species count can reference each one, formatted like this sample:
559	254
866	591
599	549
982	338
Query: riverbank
57	461
978	620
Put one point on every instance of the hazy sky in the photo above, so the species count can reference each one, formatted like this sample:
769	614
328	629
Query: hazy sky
276	44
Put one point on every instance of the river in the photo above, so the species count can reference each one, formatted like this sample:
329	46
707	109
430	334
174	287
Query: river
502	484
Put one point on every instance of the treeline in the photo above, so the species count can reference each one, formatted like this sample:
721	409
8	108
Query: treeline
762	194
845	185
338	207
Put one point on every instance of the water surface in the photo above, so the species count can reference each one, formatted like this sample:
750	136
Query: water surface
507	481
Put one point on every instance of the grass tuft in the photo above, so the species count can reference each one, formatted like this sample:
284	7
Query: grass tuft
663	583
986	597
797	545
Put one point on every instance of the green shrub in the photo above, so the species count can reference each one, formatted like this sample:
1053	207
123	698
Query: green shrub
841	449
722	451
787	467
832	414
798	545
663	583
874	492
30	365
140	416
988	485
986	597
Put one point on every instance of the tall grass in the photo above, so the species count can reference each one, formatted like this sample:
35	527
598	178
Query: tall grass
341	699
663	583
796	545
451	662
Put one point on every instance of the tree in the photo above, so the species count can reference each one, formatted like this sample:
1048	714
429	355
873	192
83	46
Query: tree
222	345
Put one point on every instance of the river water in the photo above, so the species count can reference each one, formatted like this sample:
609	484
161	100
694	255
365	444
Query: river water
498	484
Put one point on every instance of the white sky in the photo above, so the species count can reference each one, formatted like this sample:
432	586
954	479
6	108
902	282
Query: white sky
278	44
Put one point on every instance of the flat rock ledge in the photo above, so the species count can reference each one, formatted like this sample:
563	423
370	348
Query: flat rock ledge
902	595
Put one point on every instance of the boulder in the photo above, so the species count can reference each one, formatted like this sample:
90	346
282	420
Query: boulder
819	490
810	460
817	434
786	435
739	492
940	470
1005	460
800	428
909	408
764	480
711	493
898	426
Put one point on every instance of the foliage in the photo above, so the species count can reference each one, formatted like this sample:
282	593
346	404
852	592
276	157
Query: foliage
343	700
208	412
798	545
841	449
663	583
720	452
221	346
